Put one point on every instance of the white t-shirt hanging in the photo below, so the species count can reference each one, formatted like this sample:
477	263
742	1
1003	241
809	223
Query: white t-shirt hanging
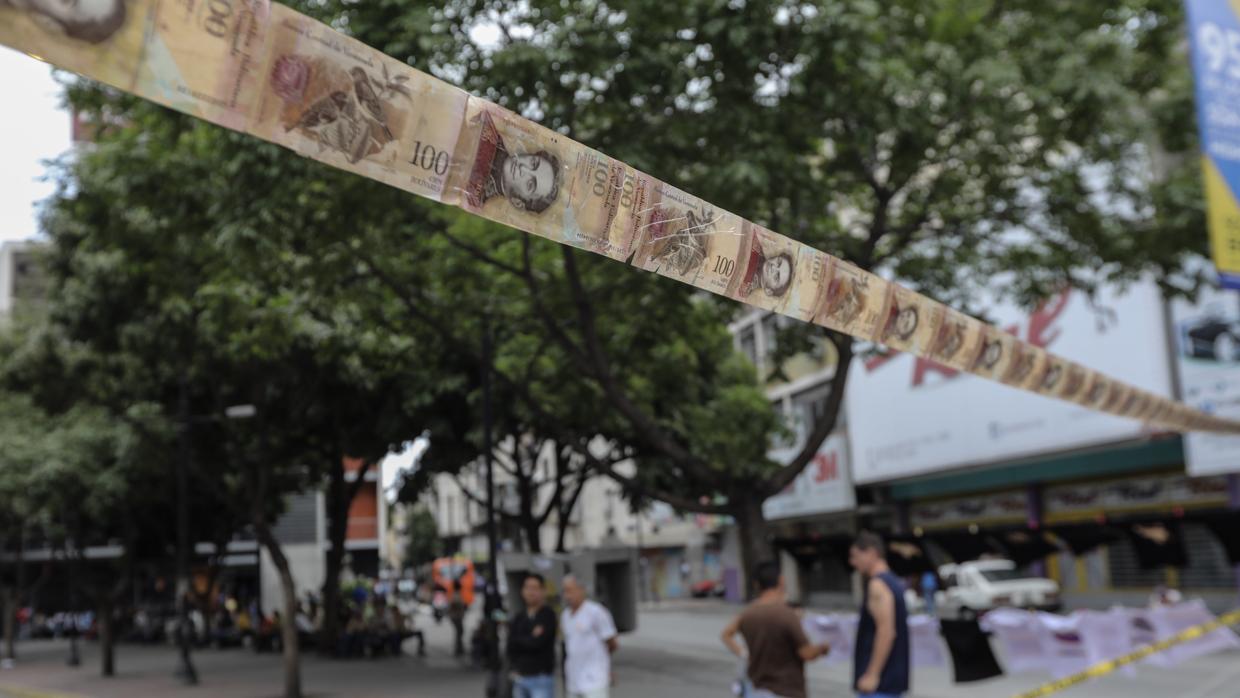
1021	636
1170	620
925	645
587	663
1106	635
1062	644
833	629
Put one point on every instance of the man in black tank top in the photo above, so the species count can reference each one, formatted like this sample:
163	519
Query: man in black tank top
881	655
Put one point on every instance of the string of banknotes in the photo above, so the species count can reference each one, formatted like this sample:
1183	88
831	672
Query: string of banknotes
266	70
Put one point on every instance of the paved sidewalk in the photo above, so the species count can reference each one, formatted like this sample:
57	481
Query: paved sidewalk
675	652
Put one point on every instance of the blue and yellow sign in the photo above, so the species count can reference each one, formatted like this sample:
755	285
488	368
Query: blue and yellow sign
1214	28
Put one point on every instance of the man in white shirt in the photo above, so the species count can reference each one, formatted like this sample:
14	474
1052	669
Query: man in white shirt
589	640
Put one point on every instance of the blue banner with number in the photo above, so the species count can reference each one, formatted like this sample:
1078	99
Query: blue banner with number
1214	31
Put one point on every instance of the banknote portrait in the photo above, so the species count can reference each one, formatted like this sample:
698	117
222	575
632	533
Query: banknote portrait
510	170
91	21
1116	397
514	171
997	354
1097	391
957	340
912	321
1132	404
1021	367
1074	380
1051	378
768	272
903	323
777	273
528	179
1145	406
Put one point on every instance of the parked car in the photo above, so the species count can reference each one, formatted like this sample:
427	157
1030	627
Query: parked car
972	588
1212	337
706	589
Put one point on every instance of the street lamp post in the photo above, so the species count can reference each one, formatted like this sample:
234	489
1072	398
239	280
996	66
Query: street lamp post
493	604
75	657
186	671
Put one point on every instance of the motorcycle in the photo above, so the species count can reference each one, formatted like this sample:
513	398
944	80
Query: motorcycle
439	605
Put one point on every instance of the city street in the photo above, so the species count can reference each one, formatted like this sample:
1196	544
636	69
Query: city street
343	321
675	652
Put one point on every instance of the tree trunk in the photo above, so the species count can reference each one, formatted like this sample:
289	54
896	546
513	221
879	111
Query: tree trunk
288	635
288	623
337	531
13	595
10	623
107	643
564	511
533	537
340	495
754	535
530	524
203	600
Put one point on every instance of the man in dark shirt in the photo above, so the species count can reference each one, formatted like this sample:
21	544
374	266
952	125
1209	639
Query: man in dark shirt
531	642
881	652
776	644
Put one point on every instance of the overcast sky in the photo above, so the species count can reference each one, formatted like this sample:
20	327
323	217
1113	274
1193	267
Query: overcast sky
32	129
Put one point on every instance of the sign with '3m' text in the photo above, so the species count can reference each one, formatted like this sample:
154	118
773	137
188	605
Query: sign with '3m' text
824	486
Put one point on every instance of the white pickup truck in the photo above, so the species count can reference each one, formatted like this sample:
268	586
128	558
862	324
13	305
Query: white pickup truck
971	588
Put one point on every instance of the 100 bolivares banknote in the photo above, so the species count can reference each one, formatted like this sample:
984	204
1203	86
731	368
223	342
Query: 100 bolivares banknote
335	99
259	67
202	57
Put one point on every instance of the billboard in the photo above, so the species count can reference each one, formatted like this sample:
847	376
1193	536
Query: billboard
822	488
1208	362
909	416
1214	31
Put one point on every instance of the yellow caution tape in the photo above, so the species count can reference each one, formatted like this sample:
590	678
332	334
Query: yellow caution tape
1110	665
10	691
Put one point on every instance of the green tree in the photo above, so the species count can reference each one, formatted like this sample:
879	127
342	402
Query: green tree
21	443
424	542
240	287
949	143
72	481
942	142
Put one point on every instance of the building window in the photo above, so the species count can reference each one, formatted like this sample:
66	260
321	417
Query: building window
791	424
749	344
770	332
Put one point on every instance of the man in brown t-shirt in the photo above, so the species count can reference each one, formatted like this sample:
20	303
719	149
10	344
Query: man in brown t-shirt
776	644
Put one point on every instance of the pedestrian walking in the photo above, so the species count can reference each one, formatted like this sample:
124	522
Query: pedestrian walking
456	614
776	648
531	642
881	651
929	585
589	641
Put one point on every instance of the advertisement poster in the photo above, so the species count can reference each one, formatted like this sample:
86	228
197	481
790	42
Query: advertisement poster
823	487
911	416
1214	30
1208	362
